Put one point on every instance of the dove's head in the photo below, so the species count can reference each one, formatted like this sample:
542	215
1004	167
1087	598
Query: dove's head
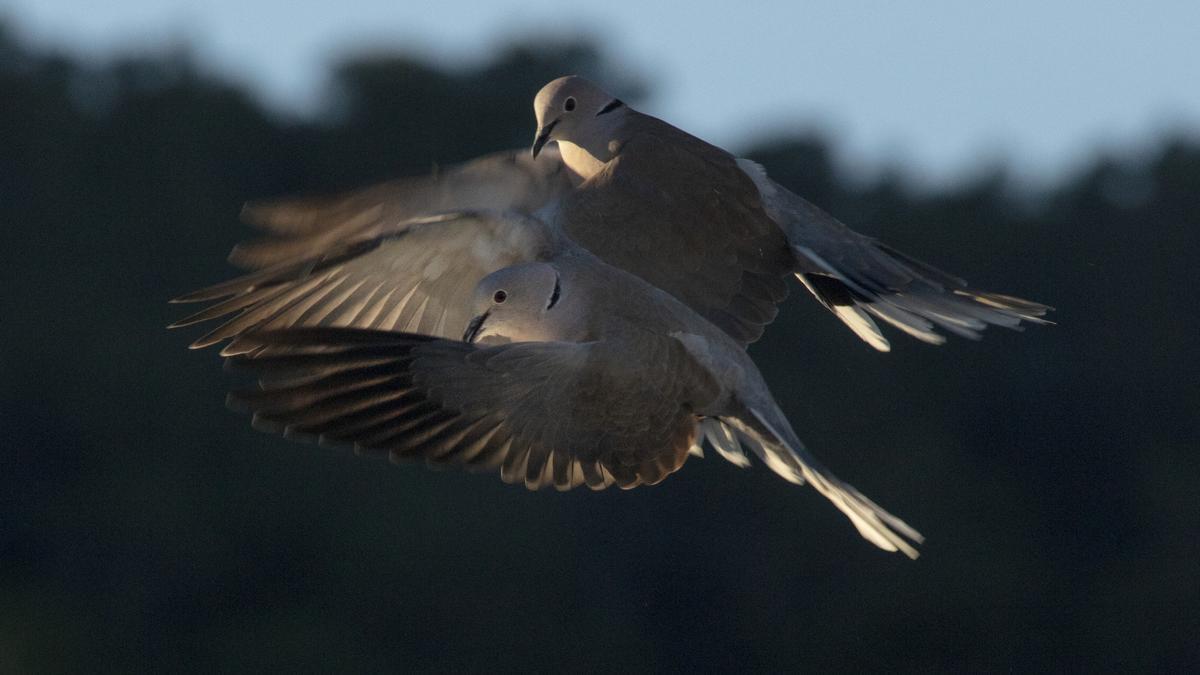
517	304
576	111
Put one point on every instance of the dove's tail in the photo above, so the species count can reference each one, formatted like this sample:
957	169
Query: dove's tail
723	439
786	456
918	300
860	279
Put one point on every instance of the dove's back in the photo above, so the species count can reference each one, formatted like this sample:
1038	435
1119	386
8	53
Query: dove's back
680	214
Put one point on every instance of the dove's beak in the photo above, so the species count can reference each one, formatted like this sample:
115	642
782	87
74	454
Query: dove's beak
474	327
542	137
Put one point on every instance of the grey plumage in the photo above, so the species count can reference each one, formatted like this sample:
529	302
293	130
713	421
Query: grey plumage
497	407
621	383
416	276
857	278
671	256
686	216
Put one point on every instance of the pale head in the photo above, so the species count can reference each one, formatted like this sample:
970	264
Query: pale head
517	304
575	111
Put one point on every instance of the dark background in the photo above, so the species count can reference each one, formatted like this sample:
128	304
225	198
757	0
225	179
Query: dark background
143	526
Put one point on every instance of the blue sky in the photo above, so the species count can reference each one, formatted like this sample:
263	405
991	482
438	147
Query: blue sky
940	86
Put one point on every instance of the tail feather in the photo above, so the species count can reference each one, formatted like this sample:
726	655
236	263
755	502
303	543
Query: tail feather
918	308
855	318
722	440
857	277
787	457
908	322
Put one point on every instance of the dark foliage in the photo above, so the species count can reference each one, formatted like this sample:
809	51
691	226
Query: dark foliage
142	526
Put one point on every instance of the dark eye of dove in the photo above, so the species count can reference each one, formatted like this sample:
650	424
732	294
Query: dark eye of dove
569	104
499	297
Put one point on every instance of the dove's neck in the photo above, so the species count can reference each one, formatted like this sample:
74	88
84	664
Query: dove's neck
580	160
587	153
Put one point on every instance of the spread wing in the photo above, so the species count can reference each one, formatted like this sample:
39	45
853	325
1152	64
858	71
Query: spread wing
543	413
680	214
300	228
857	278
415	276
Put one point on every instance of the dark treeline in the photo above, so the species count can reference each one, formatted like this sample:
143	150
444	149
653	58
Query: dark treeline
144	526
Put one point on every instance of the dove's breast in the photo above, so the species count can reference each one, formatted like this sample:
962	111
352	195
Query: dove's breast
583	163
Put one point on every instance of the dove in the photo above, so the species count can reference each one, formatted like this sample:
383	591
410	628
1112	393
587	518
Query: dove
712	230
664	179
369	260
569	372
709	228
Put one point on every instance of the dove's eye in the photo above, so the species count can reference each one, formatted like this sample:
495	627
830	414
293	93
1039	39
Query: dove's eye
499	297
569	104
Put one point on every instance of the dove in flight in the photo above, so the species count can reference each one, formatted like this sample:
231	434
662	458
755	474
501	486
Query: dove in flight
712	230
662	184
569	372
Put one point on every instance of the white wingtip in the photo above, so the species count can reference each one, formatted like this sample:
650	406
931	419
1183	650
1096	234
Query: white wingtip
863	326
858	321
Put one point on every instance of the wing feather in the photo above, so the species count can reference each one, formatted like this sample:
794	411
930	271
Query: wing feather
857	277
546	414
418	278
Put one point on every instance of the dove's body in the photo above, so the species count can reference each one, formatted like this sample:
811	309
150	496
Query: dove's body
599	303
661	184
579	374
671	254
711	230
706	239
